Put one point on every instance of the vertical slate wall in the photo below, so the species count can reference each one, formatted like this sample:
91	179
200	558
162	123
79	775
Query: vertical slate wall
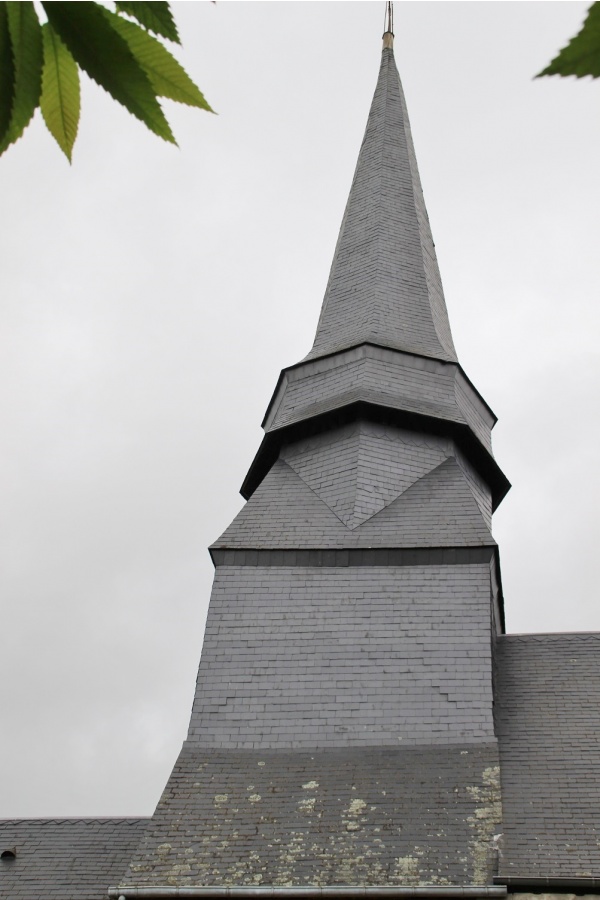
334	657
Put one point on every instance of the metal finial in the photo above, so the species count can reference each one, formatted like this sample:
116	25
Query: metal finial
388	25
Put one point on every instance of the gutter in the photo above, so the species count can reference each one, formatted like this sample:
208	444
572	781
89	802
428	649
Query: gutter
334	892
557	884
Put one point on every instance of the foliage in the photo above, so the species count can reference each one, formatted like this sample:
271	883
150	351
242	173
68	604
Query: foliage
39	65
581	56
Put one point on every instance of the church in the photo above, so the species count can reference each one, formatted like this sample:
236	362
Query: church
363	725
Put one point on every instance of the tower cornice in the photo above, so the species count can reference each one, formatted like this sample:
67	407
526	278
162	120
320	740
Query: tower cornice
356	408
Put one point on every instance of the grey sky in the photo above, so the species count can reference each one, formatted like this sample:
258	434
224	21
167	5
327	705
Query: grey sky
151	296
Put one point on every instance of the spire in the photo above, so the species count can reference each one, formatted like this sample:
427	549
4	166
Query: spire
384	286
383	350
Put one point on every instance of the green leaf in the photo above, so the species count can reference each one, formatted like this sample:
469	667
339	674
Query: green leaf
166	75
581	56
26	43
156	17
60	102
106	57
7	74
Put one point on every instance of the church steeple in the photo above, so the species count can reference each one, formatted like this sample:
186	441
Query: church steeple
342	731
383	347
384	286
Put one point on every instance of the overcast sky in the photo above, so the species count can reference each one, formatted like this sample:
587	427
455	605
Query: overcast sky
152	294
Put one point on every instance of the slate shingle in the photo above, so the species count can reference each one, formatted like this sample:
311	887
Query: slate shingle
548	721
341	475
335	657
64	858
360	469
382	377
376	816
384	285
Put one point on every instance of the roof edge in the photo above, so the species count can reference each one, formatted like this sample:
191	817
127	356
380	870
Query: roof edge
560	883
481	458
310	893
536	635
62	820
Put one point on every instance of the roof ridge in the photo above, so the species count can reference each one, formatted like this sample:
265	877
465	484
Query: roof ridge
74	819
542	635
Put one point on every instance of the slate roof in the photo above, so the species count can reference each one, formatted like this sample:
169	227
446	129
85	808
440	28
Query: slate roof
400	381
396	816
285	513
384	286
383	347
366	485
64	858
548	722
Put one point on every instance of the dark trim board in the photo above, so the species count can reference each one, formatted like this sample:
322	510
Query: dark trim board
376	556
550	884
